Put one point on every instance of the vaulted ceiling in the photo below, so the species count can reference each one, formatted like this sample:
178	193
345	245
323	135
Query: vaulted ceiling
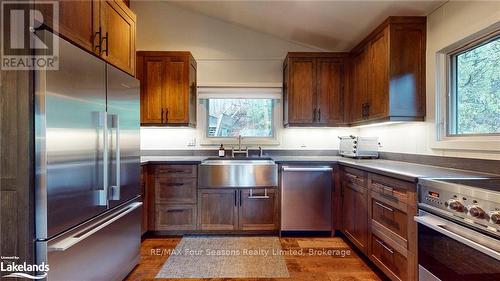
328	25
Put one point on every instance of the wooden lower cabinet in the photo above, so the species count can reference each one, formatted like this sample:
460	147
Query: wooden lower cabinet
389	260
377	217
238	209
218	209
175	217
258	210
355	211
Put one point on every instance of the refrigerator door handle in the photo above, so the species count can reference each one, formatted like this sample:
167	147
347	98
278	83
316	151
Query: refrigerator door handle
69	242
103	193
115	187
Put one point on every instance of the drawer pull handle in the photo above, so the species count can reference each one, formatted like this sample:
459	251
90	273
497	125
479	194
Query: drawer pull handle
384	206
265	196
385	247
352	176
175	184
174	211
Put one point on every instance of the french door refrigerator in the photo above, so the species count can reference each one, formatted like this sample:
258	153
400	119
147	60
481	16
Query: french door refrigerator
87	195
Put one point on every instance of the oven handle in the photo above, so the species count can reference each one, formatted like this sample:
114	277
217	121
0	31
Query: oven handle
436	223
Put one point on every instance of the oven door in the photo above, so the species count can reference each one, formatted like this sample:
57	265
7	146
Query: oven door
449	251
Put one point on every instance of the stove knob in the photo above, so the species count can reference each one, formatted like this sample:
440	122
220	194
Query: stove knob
476	212
455	205
495	217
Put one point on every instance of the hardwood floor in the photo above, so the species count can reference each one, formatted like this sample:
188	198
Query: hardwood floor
315	267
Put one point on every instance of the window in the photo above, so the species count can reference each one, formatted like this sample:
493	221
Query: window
248	117
474	100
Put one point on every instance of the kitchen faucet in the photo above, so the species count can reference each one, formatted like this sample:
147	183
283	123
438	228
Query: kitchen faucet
239	151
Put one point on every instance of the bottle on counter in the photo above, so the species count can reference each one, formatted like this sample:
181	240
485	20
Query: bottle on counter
222	151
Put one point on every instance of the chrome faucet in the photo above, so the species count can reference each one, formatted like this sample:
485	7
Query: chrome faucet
239	151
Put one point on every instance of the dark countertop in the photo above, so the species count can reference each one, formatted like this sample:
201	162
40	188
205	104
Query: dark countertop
402	170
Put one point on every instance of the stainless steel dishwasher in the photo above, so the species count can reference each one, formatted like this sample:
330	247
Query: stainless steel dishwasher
306	198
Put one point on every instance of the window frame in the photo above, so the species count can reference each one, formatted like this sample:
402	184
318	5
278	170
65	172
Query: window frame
266	91
443	140
273	121
451	99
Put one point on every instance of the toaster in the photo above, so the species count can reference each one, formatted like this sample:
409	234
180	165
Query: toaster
359	147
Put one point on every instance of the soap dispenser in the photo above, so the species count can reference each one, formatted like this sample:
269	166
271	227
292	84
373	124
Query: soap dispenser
222	151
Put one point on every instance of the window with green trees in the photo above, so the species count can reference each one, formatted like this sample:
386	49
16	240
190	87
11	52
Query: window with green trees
474	101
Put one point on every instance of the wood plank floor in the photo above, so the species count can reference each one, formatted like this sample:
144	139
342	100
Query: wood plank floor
315	267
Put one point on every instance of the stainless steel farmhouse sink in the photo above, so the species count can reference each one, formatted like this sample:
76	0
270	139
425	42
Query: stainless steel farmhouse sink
238	173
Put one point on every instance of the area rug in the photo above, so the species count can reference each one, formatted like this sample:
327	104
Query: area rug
225	257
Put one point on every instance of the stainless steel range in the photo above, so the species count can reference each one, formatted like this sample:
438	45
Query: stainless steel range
459	229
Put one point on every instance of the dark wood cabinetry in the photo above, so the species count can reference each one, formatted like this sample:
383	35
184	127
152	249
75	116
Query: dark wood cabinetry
118	34
388	73
355	207
377	218
392	228
105	28
258	209
238	209
170	198
168	88
381	79
313	89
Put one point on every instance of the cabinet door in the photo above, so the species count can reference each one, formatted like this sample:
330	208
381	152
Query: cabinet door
217	209
258	209
118	27
378	94
330	77
192	94
356	215
153	79
302	91
79	22
177	96
359	86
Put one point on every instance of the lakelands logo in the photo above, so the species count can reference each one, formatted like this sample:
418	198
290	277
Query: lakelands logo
9	265
24	46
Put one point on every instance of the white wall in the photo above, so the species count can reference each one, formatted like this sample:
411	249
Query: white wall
447	25
226	54
229	54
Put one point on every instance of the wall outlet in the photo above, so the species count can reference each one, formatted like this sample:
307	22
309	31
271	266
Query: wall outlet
192	142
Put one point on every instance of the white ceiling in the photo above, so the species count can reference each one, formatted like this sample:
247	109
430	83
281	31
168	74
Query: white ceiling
328	25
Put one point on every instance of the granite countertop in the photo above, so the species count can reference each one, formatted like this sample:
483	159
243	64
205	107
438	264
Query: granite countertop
402	170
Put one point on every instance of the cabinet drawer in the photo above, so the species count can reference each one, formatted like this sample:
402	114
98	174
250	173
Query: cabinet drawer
392	191
175	190
176	171
175	217
354	176
390	261
390	217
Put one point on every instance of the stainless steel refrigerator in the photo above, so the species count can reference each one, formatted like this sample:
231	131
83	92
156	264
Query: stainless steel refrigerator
87	196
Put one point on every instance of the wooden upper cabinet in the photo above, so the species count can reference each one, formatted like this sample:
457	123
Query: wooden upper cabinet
359	86
79	22
168	88
118	34
378	72
330	88
301	90
105	28
391	61
313	85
